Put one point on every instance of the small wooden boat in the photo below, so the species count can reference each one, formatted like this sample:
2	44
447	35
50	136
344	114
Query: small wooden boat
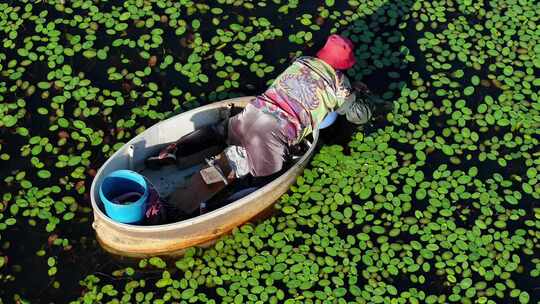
172	239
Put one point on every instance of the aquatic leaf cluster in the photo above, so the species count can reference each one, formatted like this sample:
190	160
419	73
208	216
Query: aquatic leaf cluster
435	203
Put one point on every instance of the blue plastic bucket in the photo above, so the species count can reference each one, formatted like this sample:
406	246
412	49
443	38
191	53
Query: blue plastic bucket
328	120
121	182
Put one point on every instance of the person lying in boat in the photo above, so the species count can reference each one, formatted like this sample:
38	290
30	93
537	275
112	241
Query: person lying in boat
260	136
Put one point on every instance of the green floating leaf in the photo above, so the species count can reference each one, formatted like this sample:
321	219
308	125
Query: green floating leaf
524	297
365	193
176	92
9	120
466	283
44	85
511	199
44	174
89	54
51	261
468	91
157	262
527	188
316	196
475	80
508	71
124	16
68	216
531	173
203	78
289	209
448	150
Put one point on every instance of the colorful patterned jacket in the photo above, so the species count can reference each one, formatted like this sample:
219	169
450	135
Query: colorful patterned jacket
305	93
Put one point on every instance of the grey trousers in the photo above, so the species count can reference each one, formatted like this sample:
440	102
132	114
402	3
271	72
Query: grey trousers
260	135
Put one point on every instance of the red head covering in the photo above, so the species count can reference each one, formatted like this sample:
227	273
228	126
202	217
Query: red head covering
338	52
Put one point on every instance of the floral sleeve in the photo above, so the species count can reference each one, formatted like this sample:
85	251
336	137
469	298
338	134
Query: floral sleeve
344	90
356	111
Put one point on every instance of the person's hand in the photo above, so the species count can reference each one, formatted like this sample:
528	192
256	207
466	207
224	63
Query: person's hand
361	87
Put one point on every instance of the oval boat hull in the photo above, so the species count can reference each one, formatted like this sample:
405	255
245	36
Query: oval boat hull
172	239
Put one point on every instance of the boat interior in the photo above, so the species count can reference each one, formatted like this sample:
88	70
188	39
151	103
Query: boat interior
168	178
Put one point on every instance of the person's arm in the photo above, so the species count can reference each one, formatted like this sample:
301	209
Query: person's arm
355	109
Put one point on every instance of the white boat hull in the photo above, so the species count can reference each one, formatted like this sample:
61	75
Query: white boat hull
172	239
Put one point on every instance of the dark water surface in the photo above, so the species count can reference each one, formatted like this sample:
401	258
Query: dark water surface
83	256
